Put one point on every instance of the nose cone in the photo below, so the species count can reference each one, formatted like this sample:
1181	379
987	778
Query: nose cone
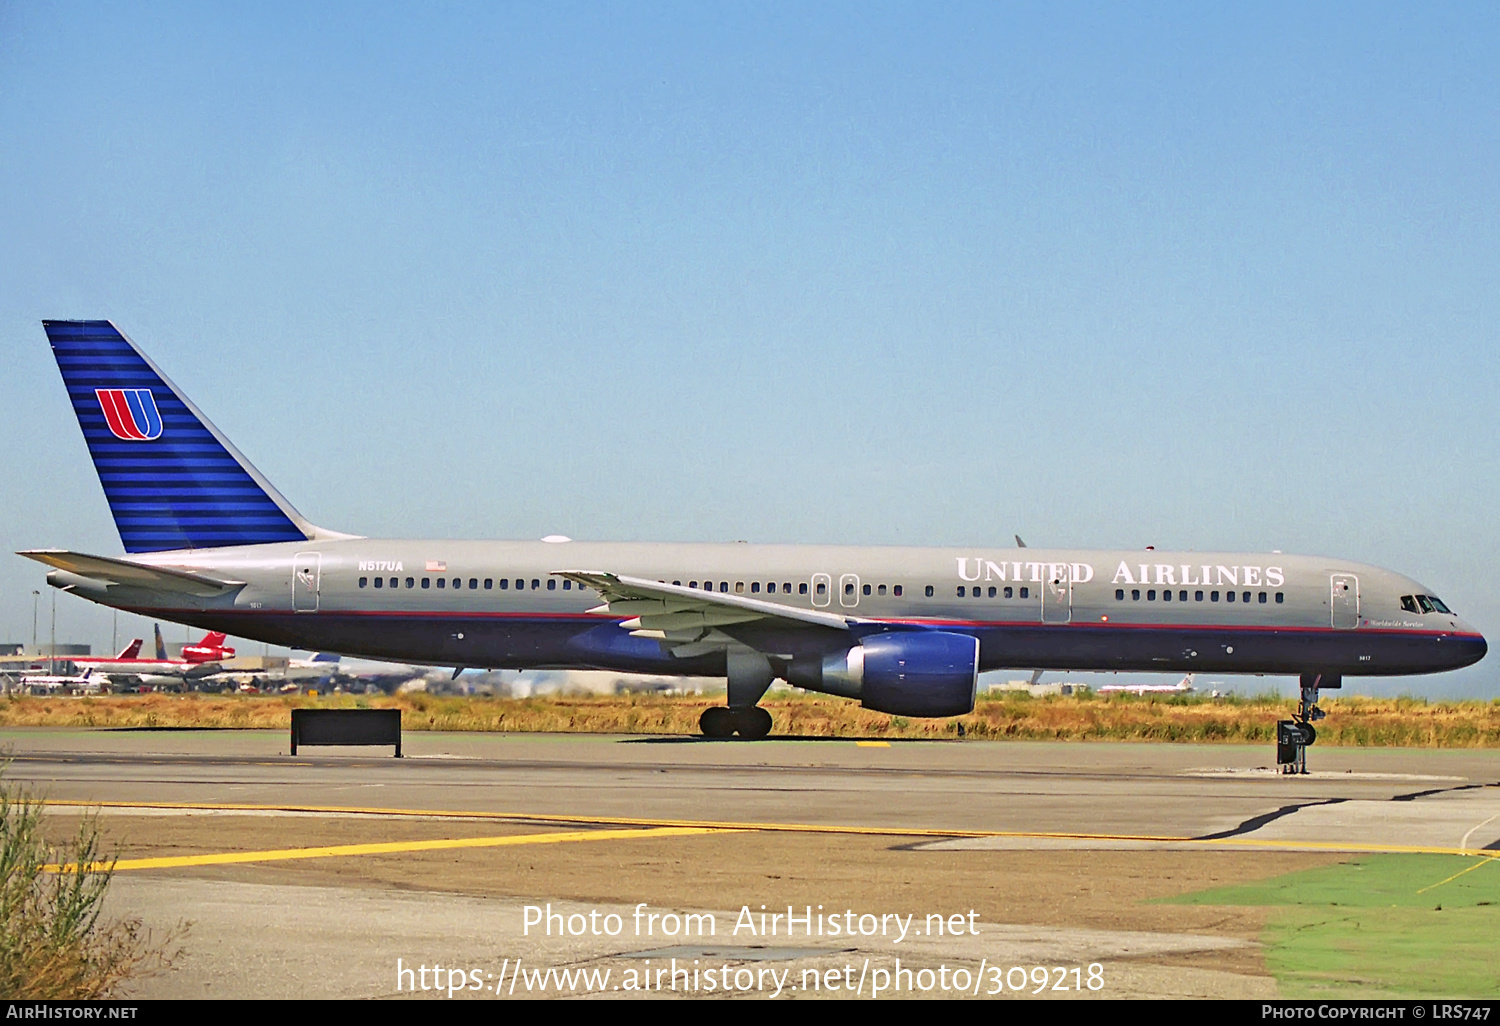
1469	644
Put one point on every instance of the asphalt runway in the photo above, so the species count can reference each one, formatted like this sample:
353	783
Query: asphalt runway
312	875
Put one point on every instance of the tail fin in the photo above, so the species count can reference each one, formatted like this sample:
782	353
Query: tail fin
213	639
161	646
172	480
131	650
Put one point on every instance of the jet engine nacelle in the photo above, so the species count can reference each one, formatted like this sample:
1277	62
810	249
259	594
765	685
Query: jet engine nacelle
905	673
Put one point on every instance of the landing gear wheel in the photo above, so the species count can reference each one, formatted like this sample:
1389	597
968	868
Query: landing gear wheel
717	722
753	724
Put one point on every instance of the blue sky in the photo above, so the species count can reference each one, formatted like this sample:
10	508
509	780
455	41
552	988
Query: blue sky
1103	275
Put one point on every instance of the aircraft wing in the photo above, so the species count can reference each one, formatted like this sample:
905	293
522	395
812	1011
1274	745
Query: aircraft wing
651	606
139	575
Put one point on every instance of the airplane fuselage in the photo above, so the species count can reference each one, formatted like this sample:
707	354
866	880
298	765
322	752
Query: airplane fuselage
501	605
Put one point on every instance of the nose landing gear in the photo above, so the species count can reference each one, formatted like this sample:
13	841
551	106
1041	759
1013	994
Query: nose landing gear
1294	735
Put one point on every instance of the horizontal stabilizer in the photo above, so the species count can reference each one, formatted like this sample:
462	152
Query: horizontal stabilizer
136	575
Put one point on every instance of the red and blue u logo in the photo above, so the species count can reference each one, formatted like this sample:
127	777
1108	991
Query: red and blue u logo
130	413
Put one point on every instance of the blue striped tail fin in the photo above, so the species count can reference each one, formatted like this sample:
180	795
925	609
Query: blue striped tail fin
172	480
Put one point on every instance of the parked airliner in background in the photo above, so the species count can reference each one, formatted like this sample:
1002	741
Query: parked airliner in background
210	542
198	661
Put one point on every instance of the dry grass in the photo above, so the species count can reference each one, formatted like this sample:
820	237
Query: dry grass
1404	722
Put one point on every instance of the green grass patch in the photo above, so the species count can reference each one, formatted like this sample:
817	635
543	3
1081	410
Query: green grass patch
1381	926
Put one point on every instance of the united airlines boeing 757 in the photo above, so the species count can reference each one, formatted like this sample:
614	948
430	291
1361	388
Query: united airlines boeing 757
211	543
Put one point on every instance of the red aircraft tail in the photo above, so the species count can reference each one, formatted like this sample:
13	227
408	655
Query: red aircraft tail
209	649
131	650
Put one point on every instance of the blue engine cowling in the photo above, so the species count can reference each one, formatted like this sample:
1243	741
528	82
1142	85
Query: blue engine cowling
905	673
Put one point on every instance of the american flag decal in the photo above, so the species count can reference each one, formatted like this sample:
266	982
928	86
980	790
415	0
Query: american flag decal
437	566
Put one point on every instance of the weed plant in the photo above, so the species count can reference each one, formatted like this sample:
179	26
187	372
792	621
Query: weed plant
54	942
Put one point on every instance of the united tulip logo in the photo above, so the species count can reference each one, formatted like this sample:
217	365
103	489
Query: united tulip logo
130	413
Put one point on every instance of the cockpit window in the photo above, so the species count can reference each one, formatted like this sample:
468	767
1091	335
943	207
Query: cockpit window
1409	603
1425	603
1437	604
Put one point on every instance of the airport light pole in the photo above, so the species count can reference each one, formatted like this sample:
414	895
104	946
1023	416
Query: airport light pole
35	595
52	652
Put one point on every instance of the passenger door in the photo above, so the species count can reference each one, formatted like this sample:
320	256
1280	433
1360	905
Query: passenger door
307	579
1057	597
1344	601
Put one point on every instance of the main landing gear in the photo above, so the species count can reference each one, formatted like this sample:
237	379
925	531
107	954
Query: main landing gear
749	674
1294	735
752	724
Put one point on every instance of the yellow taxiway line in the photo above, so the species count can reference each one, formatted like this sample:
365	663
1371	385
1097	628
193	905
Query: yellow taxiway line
386	848
718	826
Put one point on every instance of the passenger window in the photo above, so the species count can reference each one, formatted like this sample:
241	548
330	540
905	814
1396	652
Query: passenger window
1166	595
520	584
802	588
568	585
442	583
535	584
1261	598
692	584
822	588
504	583
1119	594
896	591
458	582
365	580
411	582
929	591
1135	594
473	583
552	584
426	581
755	587
960	591
1151	595
881	590
1197	596
676	584
380	582
739	587
1182	596
1278	596
993	592
1245	597
866	589
1008	593
723	586
1026	593
1213	596
1229	596
848	589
